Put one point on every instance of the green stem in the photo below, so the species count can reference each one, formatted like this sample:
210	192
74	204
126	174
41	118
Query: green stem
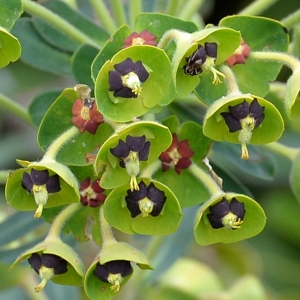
135	8
291	19
59	142
171	8
15	108
230	80
60	220
173	34
106	232
150	169
284	58
189	9
55	20
3	176
119	12
257	7
206	179
104	15
286	151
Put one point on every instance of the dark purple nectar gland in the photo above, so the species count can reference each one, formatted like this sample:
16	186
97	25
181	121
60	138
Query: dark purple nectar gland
47	266
246	118
127	78
145	201
91	193
40	184
177	156
203	60
130	153
227	214
113	272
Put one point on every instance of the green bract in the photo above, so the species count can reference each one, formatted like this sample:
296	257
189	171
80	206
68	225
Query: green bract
10	48
20	199
253	223
118	215
10	11
227	40
268	131
55	246
110	48
261	34
119	109
97	289
76	150
114	176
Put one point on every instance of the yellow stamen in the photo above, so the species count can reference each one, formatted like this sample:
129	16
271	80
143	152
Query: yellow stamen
231	221
146	206
115	280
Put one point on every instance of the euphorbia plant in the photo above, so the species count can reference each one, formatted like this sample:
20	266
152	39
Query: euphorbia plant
139	141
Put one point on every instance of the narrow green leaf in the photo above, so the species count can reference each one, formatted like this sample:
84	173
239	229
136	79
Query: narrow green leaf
16	226
37	53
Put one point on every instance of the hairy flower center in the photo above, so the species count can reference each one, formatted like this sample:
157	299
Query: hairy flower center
115	280
85	113
146	206
138	41
231	221
132	81
89	193
175	155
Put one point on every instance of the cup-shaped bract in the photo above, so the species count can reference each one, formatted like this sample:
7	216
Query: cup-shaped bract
46	183
10	48
132	82
115	175
121	213
228	218
224	40
115	257
54	246
267	123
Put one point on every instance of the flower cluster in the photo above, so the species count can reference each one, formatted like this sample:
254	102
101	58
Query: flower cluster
177	156
130	153
142	38
91	193
47	266
86	116
127	78
227	214
40	184
240	54
145	200
113	272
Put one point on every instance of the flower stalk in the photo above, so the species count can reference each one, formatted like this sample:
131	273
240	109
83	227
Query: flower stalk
106	232
56	145
212	186
61	219
284	58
